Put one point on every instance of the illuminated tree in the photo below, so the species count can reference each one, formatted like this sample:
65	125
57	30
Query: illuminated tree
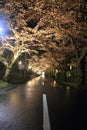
55	27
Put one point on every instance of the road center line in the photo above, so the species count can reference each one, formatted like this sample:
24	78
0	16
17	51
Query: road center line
46	122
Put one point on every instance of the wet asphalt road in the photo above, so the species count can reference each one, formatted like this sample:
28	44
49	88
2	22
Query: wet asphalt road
22	107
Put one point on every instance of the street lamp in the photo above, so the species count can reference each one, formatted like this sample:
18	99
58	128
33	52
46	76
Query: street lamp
4	30
1	30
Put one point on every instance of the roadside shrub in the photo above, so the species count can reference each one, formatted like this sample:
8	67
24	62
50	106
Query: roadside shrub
50	74
69	76
2	70
60	76
20	76
17	76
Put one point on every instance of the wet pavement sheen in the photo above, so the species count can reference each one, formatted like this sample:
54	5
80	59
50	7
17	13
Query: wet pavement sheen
67	108
22	107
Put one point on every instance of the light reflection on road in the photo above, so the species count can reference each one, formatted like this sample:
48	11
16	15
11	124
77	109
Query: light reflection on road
32	82
17	96
20	106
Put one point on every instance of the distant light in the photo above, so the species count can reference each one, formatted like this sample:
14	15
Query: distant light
20	65
29	66
43	75
70	67
19	62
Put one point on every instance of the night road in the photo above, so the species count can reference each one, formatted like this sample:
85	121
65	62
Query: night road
43	105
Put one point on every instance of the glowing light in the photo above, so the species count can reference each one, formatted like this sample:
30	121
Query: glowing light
29	67
70	67
43	75
3	26
54	83
56	71
32	82
19	62
1	29
21	66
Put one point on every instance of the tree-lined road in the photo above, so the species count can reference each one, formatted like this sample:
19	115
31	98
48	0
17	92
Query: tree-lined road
24	107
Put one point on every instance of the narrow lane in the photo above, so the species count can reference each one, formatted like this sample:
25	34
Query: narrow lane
22	108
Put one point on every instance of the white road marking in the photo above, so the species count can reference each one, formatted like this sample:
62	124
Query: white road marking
46	122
